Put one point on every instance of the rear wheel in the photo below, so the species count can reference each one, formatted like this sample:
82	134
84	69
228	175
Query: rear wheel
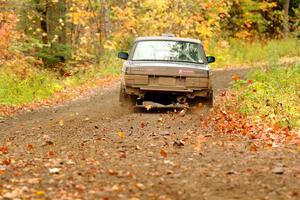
126	100
210	100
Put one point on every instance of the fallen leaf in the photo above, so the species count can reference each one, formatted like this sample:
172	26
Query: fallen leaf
163	153
29	147
164	133
230	172
134	198
253	147
3	150
200	140
121	134
54	170
68	74
236	77
46	137
137	147
80	188
123	155
250	81
115	188
178	143
112	172
51	153
33	180
40	192
12	195
168	162
2	169
278	170
182	113
140	186
48	142
61	122
148	107
6	161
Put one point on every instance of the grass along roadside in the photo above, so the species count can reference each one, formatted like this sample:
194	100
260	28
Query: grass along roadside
264	108
272	94
235	53
22	83
16	90
42	88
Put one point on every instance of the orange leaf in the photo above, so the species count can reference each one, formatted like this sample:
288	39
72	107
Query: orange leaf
29	147
51	153
6	162
236	77
3	150
253	147
163	153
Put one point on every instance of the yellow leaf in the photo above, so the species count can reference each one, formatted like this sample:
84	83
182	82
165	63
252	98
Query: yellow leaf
40	192
148	107
121	134
61	122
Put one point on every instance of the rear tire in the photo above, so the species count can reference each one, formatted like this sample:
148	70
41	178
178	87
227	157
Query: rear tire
126	100
210	100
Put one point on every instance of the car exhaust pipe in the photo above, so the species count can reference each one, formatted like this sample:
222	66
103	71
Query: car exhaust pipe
181	99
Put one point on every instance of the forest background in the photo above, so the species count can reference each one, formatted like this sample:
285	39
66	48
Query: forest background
47	46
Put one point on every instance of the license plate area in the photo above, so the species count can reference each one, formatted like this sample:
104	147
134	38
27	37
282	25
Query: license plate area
167	81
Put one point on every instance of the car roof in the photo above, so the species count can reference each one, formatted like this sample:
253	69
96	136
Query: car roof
167	38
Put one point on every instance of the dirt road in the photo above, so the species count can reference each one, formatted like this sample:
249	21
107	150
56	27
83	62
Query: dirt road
92	149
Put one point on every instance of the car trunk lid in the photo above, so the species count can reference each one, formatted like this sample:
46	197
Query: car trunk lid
168	69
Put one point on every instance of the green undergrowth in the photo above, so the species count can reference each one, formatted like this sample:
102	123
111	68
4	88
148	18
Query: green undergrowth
36	86
272	94
22	83
109	66
236	52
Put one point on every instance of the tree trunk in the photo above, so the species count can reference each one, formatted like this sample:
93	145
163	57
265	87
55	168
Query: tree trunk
106	25
63	11
286	17
57	21
44	24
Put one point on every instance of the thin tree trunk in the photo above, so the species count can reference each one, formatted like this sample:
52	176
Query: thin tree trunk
63	10
286	17
44	25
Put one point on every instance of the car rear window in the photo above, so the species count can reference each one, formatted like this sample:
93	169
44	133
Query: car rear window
177	51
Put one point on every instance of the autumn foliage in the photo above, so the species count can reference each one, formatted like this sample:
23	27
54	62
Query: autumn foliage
8	34
268	128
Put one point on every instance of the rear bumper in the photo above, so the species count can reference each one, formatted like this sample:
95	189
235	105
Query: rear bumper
189	92
166	89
